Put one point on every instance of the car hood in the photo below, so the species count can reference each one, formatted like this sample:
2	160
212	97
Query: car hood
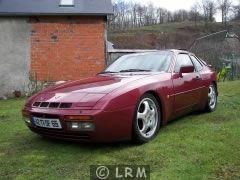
102	84
87	92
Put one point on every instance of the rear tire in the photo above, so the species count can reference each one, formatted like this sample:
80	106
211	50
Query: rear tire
147	118
212	99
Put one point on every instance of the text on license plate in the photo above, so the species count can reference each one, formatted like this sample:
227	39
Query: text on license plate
47	123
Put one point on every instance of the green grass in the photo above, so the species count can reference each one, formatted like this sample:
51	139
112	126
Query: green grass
198	146
172	27
186	27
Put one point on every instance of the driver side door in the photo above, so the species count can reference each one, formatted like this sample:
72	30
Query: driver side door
187	90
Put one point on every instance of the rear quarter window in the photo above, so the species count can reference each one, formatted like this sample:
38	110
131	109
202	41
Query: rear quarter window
197	64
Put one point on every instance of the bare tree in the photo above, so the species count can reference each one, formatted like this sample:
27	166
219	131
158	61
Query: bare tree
129	14
236	10
134	15
160	15
224	6
195	12
150	13
209	10
169	16
180	15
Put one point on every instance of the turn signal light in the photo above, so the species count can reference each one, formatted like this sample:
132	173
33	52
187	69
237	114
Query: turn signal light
25	114
79	118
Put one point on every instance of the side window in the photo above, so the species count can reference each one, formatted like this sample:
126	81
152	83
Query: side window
196	63
182	60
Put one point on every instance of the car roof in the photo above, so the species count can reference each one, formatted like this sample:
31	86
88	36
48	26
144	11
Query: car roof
175	51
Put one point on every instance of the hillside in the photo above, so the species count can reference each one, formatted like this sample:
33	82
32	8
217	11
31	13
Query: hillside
163	36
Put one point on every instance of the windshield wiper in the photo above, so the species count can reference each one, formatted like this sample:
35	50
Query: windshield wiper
135	70
107	72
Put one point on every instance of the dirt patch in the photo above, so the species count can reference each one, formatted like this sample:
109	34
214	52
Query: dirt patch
175	40
228	172
219	119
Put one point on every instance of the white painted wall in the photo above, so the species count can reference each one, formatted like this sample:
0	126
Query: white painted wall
14	54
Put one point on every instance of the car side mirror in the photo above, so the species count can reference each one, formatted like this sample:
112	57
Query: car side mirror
186	69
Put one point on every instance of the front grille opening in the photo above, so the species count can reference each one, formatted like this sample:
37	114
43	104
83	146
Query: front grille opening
36	104
65	105
48	116
54	105
44	104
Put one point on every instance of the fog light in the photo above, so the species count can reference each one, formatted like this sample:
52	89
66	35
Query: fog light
75	126
27	120
88	126
26	116
81	126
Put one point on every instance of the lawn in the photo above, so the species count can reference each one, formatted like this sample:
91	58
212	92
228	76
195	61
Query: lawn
200	28
198	146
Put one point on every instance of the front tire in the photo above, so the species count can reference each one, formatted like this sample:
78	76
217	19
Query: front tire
212	99
146	122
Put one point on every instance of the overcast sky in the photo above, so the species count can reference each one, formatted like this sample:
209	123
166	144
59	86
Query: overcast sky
173	5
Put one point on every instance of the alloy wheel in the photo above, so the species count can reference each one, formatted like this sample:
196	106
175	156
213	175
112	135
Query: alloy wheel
147	118
212	97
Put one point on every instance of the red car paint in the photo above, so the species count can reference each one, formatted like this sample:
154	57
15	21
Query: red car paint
111	100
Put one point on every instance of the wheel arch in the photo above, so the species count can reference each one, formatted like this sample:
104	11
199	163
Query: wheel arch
160	102
215	84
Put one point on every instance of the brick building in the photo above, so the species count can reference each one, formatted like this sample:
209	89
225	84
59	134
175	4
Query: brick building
51	40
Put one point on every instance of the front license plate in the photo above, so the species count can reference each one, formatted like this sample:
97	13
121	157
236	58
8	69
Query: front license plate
47	123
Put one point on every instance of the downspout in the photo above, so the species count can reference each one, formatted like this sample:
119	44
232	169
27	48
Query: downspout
105	40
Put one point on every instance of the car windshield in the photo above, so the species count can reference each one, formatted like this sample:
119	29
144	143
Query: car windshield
155	62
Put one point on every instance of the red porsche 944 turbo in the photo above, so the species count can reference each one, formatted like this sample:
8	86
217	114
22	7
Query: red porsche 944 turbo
129	100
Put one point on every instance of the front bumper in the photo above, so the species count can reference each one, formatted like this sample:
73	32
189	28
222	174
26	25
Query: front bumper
109	126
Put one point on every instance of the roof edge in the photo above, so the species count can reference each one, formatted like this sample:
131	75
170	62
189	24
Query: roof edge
53	14
52	7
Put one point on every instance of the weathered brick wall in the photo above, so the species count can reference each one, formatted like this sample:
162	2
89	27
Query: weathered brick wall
67	48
